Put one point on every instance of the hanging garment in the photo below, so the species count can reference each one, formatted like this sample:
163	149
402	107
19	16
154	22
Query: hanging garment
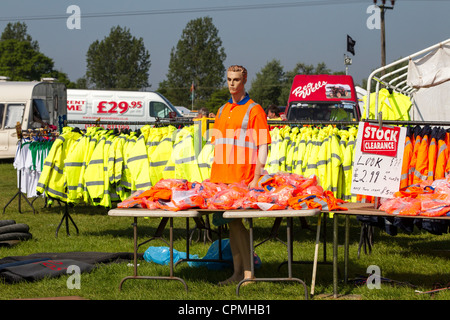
420	172
407	155
162	153
185	160
205	160
138	162
432	153
52	180
394	106
442	156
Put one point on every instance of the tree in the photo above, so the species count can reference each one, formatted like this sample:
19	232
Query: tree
197	59
267	85
217	99
20	59
119	61
18	31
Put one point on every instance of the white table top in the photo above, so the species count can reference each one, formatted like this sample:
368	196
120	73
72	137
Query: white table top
138	212
141	212
271	213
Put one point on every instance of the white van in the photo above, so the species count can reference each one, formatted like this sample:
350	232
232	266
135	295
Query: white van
116	109
33	104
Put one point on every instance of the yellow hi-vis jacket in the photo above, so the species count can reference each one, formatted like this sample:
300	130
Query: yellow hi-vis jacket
52	180
185	160
393	106
138	162
205	160
291	150
161	154
347	164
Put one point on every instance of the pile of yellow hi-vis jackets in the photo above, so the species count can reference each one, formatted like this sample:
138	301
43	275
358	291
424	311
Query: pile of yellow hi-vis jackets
101	166
326	152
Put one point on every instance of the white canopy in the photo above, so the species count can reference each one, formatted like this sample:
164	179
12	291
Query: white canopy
430	76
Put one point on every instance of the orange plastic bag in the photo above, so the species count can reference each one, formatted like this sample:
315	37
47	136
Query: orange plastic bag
187	199
225	199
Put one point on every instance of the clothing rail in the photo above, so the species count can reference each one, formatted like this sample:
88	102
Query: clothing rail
410	122
173	121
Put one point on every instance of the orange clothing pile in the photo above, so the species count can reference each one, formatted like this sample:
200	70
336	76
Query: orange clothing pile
428	198
275	192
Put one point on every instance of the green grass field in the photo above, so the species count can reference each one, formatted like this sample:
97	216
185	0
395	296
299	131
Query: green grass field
408	262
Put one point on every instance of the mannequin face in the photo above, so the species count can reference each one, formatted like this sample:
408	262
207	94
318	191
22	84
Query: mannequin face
236	82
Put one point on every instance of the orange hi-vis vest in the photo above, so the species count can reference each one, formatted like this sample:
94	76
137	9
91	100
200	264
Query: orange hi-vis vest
239	129
432	153
447	164
417	139
421	167
442	156
407	154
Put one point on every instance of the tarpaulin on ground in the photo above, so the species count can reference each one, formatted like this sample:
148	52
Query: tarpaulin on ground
38	266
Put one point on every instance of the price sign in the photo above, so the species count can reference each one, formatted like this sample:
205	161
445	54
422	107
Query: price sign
377	162
382	141
112	107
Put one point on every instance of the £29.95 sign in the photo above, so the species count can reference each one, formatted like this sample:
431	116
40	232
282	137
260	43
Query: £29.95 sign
378	160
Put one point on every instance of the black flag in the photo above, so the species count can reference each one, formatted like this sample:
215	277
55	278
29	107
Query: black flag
350	45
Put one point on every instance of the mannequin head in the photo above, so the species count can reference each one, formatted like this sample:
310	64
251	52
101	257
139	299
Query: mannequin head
236	80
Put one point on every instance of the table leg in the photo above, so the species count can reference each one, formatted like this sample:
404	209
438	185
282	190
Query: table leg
316	253
335	254
135	275
290	256
346	246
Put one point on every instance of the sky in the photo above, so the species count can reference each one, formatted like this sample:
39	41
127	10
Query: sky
253	32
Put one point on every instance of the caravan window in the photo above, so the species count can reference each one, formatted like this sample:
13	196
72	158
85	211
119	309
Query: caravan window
14	114
39	107
159	110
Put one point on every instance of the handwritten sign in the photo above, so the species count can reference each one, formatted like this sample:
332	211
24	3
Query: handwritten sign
375	173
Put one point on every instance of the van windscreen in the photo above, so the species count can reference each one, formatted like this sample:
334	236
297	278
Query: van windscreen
159	110
332	111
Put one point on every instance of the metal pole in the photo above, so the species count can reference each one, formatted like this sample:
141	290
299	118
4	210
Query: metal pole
383	38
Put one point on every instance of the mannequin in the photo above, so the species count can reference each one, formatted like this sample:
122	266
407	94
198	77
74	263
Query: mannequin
230	116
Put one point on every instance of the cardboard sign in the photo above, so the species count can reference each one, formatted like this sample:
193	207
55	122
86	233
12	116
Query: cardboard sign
377	168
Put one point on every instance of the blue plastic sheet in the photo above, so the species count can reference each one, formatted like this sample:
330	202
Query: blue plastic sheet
161	255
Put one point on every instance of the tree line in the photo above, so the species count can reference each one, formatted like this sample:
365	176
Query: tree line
196	68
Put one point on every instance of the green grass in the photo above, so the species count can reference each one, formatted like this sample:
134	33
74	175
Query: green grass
417	261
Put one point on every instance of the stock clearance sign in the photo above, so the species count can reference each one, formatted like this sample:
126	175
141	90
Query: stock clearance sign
378	160
382	141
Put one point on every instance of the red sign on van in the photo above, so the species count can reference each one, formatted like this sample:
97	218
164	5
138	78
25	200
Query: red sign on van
322	88
381	141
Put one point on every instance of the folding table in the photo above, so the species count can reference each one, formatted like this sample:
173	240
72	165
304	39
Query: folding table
289	214
355	209
136	213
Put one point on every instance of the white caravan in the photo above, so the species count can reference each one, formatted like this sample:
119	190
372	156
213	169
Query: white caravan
33	104
116	109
